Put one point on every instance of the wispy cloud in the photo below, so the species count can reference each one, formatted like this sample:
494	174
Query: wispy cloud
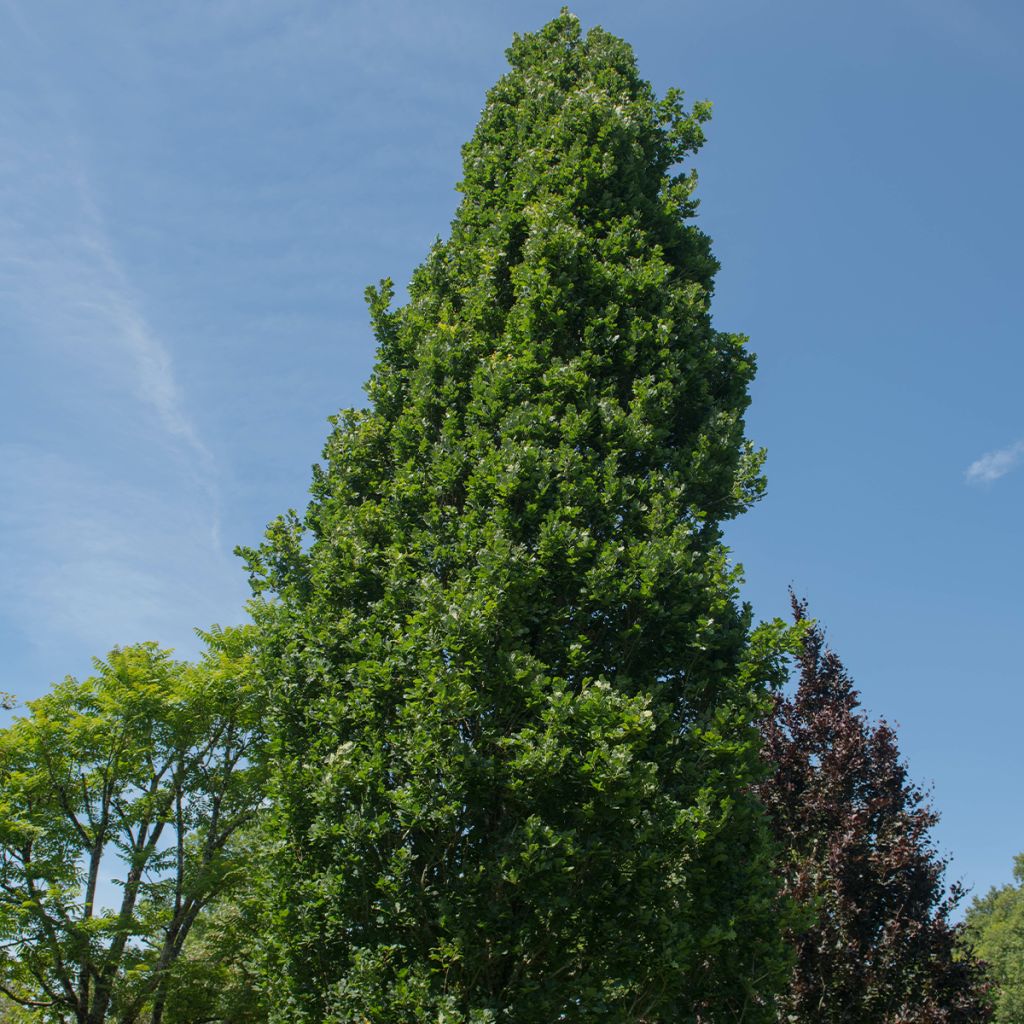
60	268
61	273
993	465
109	528
116	306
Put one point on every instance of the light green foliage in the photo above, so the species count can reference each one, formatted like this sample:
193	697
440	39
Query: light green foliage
127	786
225	973
514	699
995	929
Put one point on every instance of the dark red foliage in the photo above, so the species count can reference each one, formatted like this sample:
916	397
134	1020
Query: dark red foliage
878	946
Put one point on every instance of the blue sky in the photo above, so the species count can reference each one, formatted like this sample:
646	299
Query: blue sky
193	197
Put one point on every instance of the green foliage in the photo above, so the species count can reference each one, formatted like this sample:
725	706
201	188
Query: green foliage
225	972
995	930
514	705
134	782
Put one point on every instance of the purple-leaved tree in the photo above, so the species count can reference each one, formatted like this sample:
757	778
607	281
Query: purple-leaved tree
878	945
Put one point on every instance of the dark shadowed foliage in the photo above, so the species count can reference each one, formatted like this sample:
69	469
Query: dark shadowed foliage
855	835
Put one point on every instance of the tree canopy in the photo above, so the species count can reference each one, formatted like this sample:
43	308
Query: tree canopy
515	701
995	932
877	945
126	787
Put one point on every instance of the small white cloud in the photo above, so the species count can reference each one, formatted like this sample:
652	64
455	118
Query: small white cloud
992	465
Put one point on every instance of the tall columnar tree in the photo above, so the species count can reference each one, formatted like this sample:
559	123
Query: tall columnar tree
878	946
516	697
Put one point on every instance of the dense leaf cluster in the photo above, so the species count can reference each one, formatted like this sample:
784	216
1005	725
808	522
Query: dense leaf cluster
877	946
995	928
516	727
121	799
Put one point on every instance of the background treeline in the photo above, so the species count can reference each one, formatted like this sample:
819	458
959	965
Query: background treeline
502	743
138	848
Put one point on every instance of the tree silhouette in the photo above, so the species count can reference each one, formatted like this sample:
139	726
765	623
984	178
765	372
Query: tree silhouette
857	855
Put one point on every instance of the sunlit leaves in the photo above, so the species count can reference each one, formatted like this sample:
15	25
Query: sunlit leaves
513	704
995	933
121	796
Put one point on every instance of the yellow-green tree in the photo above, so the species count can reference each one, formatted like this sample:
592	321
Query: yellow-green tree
120	797
995	930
